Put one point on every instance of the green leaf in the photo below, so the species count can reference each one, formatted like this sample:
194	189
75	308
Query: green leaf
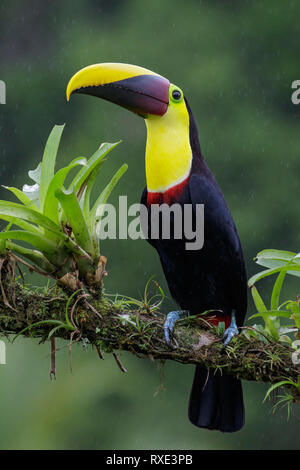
294	272
38	241
292	269
33	256
21	223
250	334
271	322
55	329
276	290
16	210
98	208
296	259
274	258
38	323
22	197
278	384
91	165
2	247
285	339
75	218
271	313
271	318
48	162
296	318
293	306
258	276
68	323
90	181
51	201
259	303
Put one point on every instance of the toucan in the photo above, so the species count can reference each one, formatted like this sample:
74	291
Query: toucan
212	278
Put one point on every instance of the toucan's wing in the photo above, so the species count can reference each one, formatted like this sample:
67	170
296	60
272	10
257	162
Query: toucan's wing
221	232
204	190
144	197
144	203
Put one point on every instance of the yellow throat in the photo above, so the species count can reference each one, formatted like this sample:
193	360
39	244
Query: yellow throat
168	150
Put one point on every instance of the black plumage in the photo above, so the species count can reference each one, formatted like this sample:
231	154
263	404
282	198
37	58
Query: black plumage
213	277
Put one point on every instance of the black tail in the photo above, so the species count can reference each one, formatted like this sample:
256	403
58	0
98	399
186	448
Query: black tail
216	401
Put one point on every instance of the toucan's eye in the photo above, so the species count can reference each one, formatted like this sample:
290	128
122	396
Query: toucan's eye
176	95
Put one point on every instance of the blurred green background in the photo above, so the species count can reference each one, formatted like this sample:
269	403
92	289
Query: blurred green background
235	61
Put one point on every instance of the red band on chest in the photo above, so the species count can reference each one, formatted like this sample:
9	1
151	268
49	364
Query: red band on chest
216	319
169	196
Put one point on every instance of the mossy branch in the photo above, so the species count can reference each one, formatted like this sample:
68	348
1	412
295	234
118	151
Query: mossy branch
110	327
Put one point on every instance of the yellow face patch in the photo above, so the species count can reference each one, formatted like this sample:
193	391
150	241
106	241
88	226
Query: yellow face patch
168	150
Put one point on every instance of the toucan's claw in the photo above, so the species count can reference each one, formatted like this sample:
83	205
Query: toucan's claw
231	331
169	324
229	334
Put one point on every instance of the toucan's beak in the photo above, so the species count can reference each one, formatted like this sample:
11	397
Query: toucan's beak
135	88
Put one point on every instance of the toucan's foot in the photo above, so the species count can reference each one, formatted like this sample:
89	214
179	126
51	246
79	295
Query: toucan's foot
231	331
169	325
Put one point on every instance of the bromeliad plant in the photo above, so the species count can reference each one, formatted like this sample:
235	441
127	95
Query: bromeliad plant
280	263
59	222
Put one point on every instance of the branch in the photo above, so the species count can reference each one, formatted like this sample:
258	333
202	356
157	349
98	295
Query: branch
111	326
